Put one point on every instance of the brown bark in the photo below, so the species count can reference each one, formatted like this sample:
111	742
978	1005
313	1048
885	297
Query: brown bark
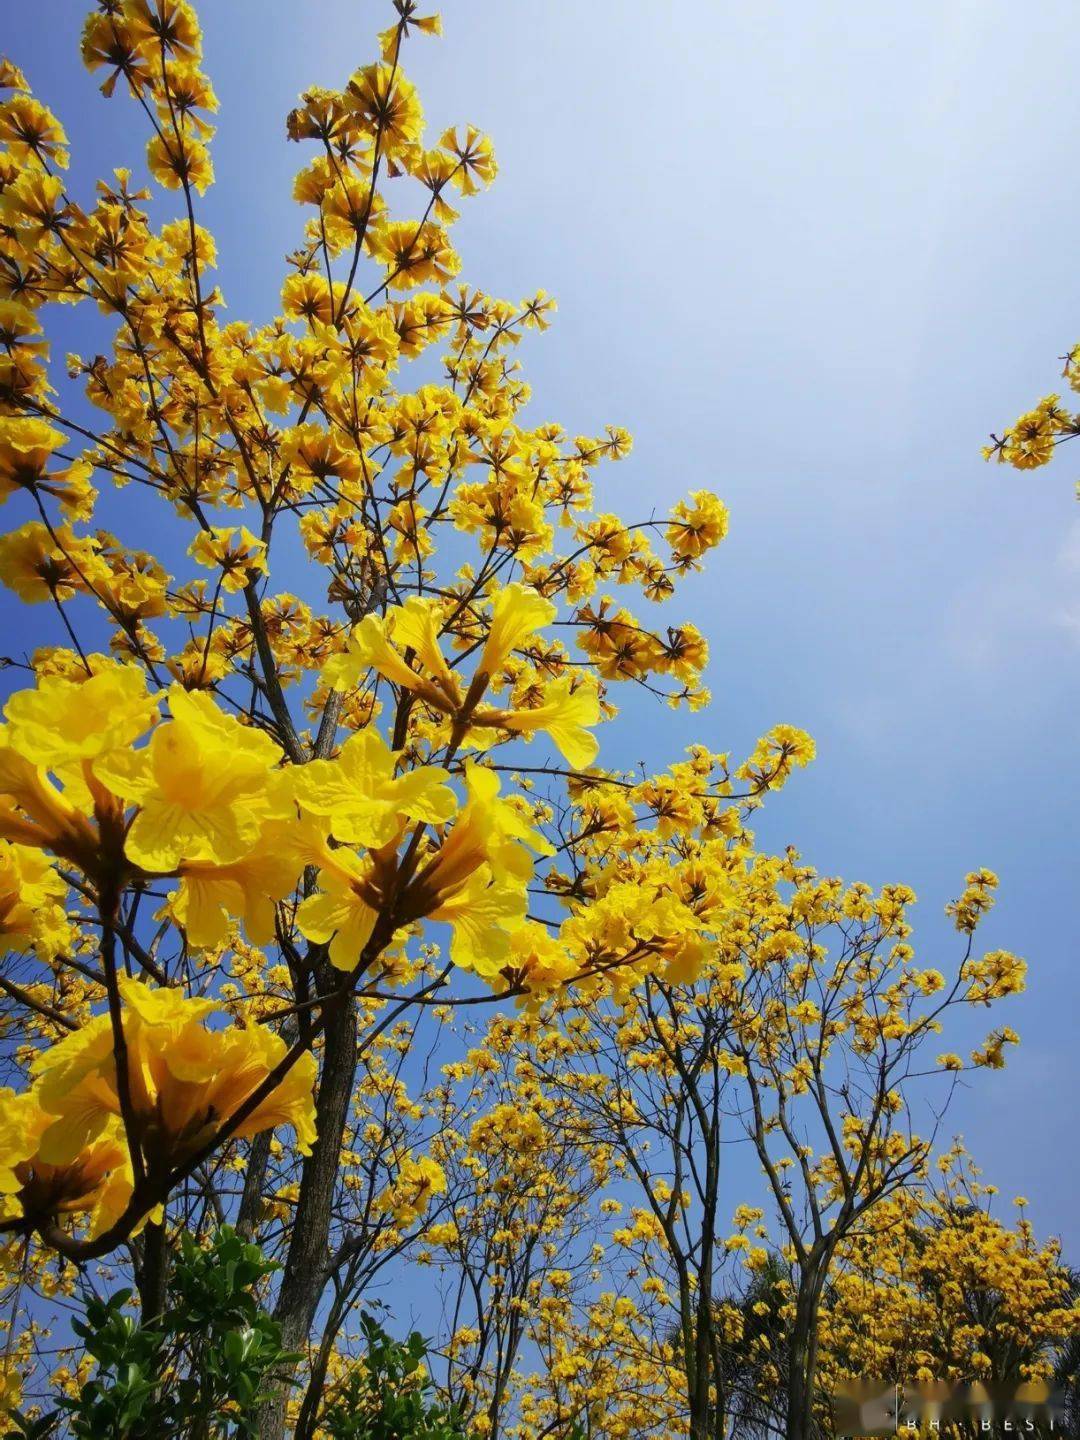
305	1273
152	1271
802	1364
258	1159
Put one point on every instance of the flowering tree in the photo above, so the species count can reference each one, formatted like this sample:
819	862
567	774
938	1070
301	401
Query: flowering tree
216	796
252	837
936	1286
803	1036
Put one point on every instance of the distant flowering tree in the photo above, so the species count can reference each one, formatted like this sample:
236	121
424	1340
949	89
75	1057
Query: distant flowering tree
809	1034
936	1286
240	824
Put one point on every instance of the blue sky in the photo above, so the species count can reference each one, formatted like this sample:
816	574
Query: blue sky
809	256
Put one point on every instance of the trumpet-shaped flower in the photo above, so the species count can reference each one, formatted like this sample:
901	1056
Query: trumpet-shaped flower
375	644
205	785
378	643
456	886
483	914
364	802
65	722
416	627
232	550
697	525
542	961
343	912
32	894
33	811
96	1183
40	564
26	447
368	648
517	613
564	715
412	1190
489	830
185	1080
247	890
18	1136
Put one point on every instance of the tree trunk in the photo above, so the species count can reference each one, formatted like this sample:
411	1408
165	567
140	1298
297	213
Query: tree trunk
152	1272
802	1361
258	1159
796	1427
305	1275
701	1406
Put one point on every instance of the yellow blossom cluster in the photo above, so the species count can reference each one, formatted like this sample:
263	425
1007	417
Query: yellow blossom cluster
87	1132
169	756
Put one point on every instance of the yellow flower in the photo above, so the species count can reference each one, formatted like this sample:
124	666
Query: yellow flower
96	1182
411	1192
517	613
385	102
390	39
18	1137
807	1013
246	890
32	909
234	551
795	745
34	811
205	784
185	1080
66	722
482	915
37	566
1030	441
28	129
364	801
542	963
371	646
169	25
214	1072
33	206
175	158
489	830
342	913
11	1390
377	643
21	354
475	156
26	447
416	626
312	453
456	886
698	526
564	715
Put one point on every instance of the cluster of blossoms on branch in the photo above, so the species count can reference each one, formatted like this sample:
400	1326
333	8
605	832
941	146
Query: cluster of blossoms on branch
1031	440
250	834
176	766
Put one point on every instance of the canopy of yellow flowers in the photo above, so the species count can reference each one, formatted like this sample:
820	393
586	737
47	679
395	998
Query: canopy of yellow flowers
233	821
